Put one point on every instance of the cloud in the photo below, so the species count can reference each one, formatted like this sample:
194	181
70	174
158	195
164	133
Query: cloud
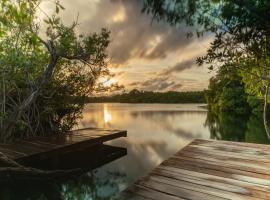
133	34
178	67
140	46
176	87
166	79
165	85
157	83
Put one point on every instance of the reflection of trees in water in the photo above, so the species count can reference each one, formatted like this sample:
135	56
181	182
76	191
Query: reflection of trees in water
28	191
226	126
164	120
255	130
166	113
233	127
91	186
88	186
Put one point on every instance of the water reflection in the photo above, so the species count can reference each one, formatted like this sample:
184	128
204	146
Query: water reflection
93	186
106	115
227	126
90	185
155	132
232	127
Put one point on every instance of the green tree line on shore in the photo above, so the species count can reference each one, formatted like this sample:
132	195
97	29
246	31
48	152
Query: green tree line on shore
136	96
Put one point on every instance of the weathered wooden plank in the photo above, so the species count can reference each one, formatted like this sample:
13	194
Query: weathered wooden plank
70	145
226	158
230	187
26	150
240	151
58	144
229	164
232	147
216	192
39	144
215	172
215	178
208	169
96	157
234	173
206	150
237	144
11	153
176	190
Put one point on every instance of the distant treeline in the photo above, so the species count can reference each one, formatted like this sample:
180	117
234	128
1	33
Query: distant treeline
136	96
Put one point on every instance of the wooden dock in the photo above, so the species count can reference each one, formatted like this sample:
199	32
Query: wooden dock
208	170
45	147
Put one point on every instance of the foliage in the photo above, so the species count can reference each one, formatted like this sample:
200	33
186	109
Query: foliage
42	72
136	96
226	92
241	36
241	30
255	104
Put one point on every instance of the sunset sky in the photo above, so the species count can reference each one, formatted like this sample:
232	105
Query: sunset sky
144	55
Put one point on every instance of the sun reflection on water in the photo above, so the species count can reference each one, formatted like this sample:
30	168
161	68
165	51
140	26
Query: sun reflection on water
106	114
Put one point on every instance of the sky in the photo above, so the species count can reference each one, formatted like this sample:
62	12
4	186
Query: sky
144	54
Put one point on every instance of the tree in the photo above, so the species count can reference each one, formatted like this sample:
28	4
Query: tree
47	69
241	35
226	92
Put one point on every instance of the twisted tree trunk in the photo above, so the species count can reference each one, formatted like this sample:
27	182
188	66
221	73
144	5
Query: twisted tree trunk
10	123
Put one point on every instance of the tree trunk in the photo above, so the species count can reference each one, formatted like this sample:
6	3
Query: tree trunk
15	116
265	122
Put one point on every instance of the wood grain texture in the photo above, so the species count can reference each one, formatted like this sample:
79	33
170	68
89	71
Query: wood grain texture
208	169
42	147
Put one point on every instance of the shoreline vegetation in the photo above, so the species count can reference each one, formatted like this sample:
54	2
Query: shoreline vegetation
136	96
39	74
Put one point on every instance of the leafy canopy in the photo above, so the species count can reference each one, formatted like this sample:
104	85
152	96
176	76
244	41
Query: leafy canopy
241	28
47	69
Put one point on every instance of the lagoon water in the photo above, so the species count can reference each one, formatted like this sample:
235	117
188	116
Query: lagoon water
155	132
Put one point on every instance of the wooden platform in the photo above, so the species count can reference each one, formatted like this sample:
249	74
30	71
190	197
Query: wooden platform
85	159
43	147
208	170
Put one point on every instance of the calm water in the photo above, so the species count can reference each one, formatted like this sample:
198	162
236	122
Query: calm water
155	132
